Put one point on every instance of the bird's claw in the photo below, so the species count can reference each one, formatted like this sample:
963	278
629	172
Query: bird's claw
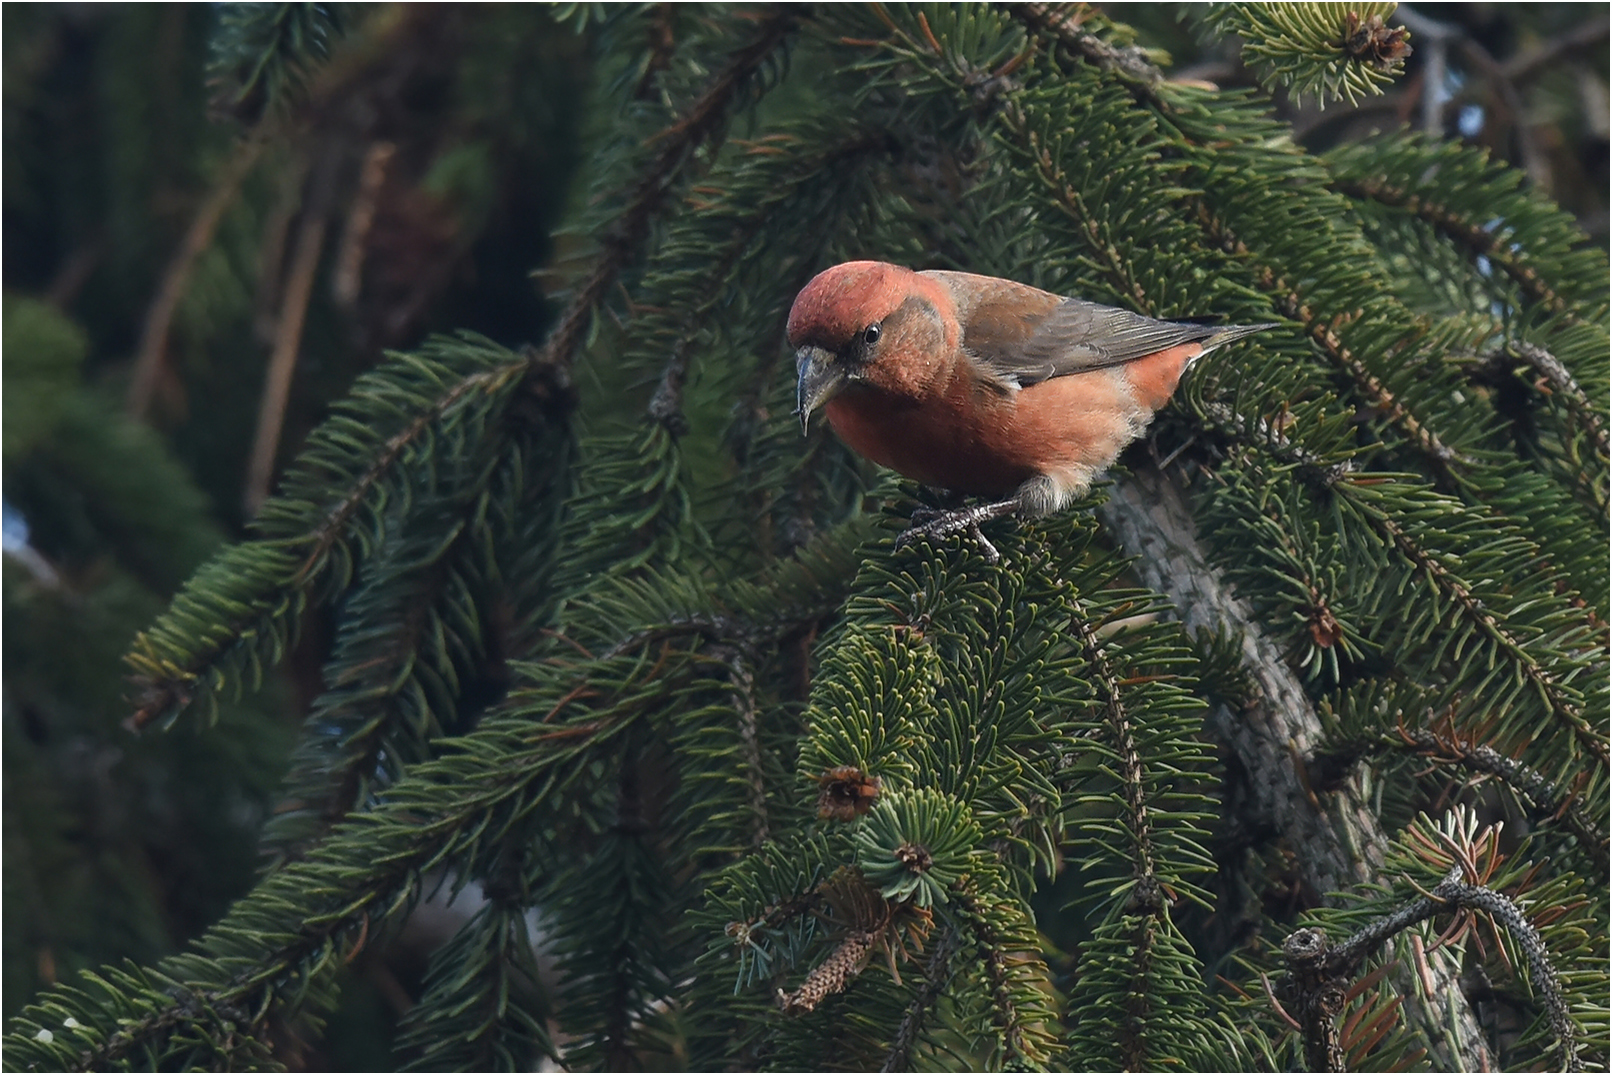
938	525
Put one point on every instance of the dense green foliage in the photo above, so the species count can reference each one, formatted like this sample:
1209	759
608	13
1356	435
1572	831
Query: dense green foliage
614	661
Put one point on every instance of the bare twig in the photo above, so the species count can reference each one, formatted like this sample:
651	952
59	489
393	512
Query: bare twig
1587	36
287	341
72	276
148	365
348	277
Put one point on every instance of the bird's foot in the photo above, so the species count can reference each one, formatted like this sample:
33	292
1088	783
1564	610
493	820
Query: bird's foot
936	525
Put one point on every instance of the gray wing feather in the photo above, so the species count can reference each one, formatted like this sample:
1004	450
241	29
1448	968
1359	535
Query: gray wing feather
1077	335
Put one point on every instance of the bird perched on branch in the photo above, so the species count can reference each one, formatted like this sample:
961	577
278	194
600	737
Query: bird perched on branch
983	386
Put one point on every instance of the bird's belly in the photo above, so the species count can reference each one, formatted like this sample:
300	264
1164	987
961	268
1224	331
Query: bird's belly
979	441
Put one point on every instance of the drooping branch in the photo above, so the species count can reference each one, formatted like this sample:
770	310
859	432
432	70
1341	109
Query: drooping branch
372	864
1146	899
989	952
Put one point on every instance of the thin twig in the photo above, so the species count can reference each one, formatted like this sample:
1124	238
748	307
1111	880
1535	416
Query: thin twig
1586	36
1527	782
148	365
287	341
348	278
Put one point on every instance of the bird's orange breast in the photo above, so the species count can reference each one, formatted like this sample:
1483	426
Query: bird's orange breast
970	437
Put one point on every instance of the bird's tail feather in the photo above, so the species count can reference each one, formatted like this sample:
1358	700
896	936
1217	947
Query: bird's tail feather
1233	332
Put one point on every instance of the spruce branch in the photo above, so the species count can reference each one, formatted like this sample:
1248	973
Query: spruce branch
414	636
241	608
1552	378
937	973
662	47
1449	464
1122	737
696	127
1341	834
292	931
1101	244
263	53
1318	971
1269	436
1333	51
1063	22
476	1012
1442	742
611	907
1484	212
1497	246
375	689
1145	902
1018	1047
1473	611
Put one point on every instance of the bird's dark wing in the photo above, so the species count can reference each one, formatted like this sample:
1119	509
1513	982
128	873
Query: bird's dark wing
1022	335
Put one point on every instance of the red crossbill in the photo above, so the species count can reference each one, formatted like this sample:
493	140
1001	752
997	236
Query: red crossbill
983	386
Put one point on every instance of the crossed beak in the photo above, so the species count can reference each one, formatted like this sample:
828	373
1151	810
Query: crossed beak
820	379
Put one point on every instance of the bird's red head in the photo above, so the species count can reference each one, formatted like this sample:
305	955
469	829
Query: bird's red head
873	327
843	301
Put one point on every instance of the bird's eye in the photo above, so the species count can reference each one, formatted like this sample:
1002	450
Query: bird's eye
870	335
